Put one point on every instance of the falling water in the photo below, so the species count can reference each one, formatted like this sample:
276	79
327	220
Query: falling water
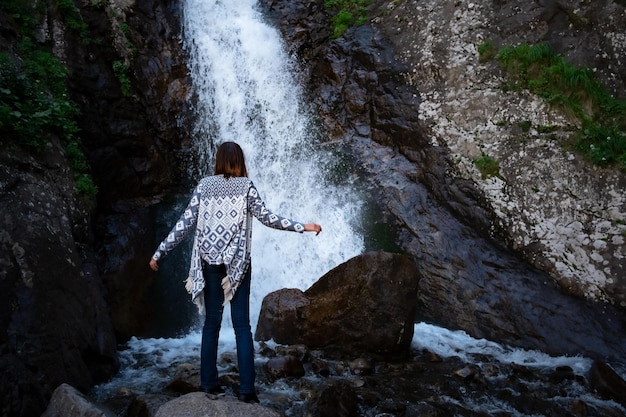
248	93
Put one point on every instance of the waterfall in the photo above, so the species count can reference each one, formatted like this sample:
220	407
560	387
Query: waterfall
247	91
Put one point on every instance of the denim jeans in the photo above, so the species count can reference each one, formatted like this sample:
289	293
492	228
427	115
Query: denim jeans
240	313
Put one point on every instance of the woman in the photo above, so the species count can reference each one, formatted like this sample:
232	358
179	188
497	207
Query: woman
220	211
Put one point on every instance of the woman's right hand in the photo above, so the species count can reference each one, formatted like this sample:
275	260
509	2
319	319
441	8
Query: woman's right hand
153	264
313	227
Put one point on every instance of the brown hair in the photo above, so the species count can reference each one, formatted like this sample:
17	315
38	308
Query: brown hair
229	161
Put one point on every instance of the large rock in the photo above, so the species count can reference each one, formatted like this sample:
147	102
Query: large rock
365	305
68	401
198	404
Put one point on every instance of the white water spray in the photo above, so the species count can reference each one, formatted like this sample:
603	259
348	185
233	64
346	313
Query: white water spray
247	93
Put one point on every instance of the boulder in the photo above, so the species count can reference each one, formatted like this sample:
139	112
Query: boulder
284	367
198	404
364	306
607	382
68	401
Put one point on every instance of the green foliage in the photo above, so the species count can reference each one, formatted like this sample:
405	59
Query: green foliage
487	51
26	14
126	32
71	17
33	100
120	69
488	166
525	125
538	68
349	13
34	105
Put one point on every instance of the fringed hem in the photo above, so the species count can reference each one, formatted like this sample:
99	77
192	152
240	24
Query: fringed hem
228	293
189	284
198	300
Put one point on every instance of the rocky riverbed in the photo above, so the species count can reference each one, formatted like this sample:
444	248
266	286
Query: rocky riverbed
455	376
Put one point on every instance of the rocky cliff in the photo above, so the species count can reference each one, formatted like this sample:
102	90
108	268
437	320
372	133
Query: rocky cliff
73	271
408	96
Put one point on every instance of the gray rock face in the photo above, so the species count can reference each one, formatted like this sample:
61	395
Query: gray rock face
565	216
365	305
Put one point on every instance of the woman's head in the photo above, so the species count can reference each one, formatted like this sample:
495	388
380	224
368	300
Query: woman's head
229	161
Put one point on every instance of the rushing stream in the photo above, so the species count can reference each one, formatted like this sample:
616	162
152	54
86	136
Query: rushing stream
248	92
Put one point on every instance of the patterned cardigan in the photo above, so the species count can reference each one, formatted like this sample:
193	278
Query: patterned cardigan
221	211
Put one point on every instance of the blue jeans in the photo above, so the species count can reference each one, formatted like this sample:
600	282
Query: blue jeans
240	312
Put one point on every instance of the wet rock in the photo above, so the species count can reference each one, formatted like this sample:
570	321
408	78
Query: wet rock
134	141
298	351
468	372
421	410
186	379
336	399
320	367
485	267
280	316
431	356
284	367
55	263
579	408
54	321
331	314
607	382
362	366
562	373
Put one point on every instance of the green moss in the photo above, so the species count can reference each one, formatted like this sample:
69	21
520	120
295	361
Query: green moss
33	98
72	17
547	128
348	13
525	125
25	14
122	73
487	51
488	166
576	90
